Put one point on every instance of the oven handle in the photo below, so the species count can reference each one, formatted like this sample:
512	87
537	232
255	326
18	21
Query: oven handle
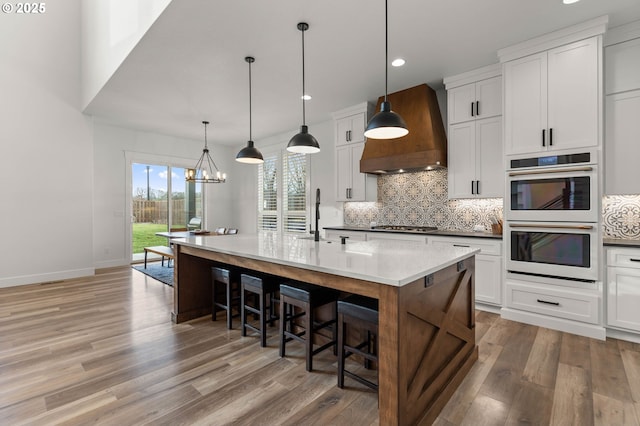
537	225
563	170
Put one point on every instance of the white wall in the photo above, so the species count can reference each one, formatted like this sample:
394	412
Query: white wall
46	154
115	148
110	30
322	175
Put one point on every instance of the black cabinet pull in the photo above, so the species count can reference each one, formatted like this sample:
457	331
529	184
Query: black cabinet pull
543	144
478	187
472	109
472	188
477	107
634	260
549	303
550	136
460	245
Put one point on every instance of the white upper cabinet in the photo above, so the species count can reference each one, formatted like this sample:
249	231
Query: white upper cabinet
474	101
622	110
350	184
552	99
350	129
475	160
622	65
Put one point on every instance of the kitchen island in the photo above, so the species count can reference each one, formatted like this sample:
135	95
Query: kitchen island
426	304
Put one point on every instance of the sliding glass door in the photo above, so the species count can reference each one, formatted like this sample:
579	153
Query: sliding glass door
162	201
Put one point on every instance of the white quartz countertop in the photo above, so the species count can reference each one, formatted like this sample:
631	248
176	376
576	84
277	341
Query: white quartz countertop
388	262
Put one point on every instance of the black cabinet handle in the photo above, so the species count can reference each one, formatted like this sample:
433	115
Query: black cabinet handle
550	136
478	187
472	188
472	109
543	144
460	245
477	107
634	260
549	303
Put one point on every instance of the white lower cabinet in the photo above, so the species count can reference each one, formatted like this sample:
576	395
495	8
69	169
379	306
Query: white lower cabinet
623	288
555	301
488	280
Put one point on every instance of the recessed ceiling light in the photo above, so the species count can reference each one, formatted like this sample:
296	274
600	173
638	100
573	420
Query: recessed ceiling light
570	1
398	62
305	97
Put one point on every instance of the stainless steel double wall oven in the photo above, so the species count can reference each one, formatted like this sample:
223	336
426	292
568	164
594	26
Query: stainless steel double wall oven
552	216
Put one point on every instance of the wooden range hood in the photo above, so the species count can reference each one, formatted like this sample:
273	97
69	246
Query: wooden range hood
424	148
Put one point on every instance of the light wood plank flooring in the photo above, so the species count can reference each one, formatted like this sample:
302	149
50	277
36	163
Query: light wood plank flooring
102	350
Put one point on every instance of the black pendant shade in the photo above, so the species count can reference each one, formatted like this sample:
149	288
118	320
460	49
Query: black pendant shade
386	124
250	154
303	142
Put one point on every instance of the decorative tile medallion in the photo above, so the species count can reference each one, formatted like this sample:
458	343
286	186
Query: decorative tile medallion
621	216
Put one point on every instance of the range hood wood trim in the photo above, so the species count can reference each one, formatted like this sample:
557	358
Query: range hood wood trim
424	146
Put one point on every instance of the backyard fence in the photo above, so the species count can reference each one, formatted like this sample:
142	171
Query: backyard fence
155	211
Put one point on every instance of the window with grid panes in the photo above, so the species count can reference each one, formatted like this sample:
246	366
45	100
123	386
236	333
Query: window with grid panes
294	184
268	194
283	188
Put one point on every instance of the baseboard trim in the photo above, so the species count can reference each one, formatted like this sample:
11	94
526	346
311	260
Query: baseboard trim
45	278
623	335
488	308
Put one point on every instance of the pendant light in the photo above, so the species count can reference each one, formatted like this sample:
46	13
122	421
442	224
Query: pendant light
250	154
203	171
386	124
303	142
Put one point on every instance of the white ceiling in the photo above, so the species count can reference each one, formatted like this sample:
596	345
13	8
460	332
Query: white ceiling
190	65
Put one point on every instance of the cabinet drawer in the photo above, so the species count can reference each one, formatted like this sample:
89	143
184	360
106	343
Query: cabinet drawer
493	248
628	258
562	303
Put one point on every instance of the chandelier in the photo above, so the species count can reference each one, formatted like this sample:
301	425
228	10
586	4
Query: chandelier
203	172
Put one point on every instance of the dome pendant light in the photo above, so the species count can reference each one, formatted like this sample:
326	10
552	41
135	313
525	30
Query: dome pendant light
203	170
303	142
250	154
386	124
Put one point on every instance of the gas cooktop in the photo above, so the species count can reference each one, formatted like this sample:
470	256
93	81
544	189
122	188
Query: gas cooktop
406	228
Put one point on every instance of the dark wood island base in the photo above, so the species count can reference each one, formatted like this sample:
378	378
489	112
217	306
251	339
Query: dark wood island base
426	329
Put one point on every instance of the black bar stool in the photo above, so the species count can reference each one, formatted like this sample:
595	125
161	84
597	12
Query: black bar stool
361	312
225	293
264	288
307	297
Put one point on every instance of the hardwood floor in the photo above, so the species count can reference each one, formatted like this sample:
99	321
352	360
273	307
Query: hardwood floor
103	350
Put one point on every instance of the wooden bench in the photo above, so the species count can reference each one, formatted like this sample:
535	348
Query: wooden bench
163	251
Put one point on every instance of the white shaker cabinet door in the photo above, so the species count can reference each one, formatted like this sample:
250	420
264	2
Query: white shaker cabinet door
573	95
525	104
